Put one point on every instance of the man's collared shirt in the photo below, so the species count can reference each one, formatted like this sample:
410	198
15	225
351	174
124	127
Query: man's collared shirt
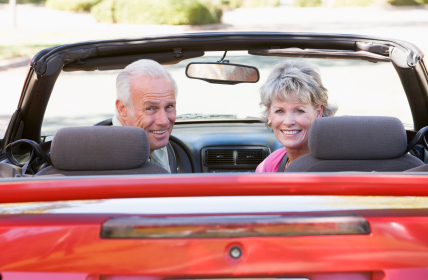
159	156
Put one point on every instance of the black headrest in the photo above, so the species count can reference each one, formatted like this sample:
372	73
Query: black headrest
100	148
357	138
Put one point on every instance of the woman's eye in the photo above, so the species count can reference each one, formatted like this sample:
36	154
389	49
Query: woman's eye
300	111
149	108
279	111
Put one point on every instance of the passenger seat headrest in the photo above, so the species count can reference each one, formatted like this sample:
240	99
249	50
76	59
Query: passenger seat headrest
357	138
100	148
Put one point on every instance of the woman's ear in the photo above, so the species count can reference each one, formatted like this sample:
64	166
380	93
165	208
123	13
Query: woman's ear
320	110
268	110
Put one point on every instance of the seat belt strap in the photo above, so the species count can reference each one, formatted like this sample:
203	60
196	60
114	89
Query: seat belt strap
282	164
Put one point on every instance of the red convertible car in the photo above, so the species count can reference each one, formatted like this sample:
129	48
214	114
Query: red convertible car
77	204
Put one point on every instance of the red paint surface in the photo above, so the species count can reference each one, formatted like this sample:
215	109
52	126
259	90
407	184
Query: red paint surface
43	276
212	185
71	243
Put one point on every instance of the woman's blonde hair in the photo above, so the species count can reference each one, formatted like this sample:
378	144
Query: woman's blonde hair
300	79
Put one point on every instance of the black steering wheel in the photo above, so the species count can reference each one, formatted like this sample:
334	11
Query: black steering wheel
418	139
36	152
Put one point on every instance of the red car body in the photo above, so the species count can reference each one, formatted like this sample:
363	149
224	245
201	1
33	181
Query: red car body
69	246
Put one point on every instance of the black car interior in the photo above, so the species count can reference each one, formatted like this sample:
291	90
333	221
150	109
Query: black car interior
204	146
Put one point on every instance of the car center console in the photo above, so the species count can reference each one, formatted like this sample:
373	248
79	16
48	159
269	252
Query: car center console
222	147
232	158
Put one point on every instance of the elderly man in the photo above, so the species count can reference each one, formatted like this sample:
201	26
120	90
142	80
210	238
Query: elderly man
146	95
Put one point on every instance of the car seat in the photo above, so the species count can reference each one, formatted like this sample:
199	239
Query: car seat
422	168
100	150
356	144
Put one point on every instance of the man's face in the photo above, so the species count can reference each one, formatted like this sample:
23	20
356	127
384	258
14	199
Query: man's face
154	109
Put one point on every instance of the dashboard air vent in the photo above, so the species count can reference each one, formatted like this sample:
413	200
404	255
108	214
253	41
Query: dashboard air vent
219	156
250	156
233	158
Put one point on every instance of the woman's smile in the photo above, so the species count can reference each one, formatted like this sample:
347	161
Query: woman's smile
290	132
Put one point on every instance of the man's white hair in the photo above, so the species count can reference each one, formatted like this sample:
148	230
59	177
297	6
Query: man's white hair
137	70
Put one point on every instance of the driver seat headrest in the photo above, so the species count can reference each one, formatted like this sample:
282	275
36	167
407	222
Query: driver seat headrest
101	150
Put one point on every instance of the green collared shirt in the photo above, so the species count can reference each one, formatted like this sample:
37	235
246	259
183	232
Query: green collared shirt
159	156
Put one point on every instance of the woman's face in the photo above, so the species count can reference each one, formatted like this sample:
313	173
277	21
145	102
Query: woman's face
291	122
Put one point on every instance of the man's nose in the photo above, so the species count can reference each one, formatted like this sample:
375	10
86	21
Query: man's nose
162	118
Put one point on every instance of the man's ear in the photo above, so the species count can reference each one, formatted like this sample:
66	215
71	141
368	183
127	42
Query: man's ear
121	110
320	110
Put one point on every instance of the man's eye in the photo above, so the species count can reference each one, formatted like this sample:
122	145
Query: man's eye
149	108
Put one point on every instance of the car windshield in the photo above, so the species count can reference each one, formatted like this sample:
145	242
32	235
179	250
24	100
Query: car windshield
359	88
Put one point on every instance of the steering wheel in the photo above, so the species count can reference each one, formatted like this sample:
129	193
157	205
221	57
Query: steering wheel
418	139
37	151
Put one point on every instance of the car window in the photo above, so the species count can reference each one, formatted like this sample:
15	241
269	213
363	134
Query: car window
359	88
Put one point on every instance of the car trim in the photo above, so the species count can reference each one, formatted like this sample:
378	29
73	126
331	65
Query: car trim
228	226
229	41
189	185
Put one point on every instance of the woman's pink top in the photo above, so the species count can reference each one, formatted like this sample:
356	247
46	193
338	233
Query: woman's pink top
271	163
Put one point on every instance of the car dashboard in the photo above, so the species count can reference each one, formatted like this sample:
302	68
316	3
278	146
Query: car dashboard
213	147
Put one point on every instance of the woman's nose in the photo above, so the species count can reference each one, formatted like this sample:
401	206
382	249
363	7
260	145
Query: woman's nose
289	119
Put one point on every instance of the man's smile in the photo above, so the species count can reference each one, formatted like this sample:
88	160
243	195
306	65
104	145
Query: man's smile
157	131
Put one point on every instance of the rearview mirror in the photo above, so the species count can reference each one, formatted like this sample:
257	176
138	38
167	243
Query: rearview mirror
222	73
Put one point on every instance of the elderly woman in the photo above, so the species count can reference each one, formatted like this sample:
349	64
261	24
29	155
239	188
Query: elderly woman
294	97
